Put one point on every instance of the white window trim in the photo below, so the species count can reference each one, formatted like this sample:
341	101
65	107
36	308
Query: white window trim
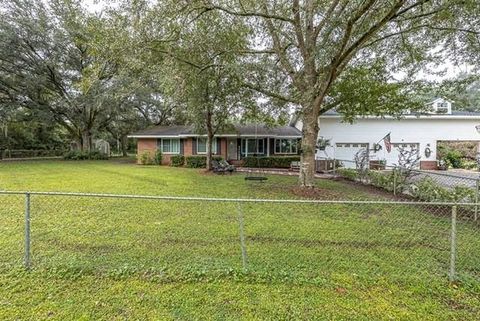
170	153
214	146
245	146
293	140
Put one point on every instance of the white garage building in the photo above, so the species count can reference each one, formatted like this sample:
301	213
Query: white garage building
413	131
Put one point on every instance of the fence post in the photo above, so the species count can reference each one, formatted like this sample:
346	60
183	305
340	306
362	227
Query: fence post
453	244
242	236
477	187
394	181
27	231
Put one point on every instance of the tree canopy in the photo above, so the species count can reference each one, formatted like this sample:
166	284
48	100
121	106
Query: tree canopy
137	63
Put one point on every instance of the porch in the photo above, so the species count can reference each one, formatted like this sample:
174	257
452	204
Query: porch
241	148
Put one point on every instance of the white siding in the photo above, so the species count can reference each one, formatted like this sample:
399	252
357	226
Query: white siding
424	131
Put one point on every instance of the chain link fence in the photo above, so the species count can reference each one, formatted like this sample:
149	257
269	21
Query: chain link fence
423	185
181	238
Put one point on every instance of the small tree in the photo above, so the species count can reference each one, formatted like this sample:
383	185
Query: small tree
203	74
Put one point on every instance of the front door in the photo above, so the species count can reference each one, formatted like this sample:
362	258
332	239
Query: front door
232	149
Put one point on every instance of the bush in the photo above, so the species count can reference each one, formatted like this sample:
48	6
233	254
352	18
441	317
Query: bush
270	162
454	158
199	161
157	159
82	155
348	173
97	155
428	190
146	158
177	160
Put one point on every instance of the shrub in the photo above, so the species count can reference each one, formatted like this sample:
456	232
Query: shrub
270	162
199	161
454	158
97	155
146	158
348	173
177	160
157	159
428	190
82	155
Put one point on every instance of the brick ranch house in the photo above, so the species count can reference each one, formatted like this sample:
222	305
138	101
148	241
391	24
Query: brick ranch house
233	145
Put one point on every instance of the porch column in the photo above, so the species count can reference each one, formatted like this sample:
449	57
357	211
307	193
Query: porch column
246	147
268	146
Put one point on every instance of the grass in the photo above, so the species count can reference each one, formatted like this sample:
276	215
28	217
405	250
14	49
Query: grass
104	259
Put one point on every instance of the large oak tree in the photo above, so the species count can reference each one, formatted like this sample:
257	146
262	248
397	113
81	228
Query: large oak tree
302	51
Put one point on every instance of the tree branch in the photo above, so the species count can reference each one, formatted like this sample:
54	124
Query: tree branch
269	93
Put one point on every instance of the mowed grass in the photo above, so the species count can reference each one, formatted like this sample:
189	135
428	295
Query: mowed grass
102	258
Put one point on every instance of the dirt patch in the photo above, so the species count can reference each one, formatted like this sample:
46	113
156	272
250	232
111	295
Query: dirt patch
317	193
373	190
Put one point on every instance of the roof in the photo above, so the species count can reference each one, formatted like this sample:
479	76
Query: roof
454	115
237	131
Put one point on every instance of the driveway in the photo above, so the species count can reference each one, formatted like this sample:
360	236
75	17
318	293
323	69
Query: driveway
450	178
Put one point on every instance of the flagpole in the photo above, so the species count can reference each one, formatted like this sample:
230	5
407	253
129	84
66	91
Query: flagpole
382	138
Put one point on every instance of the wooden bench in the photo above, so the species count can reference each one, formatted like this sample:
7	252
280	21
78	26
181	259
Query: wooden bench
295	166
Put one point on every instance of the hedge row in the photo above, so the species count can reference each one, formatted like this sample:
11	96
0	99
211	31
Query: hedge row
425	189
270	162
81	155
198	161
177	160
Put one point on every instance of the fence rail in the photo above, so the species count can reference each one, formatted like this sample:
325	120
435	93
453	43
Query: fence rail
29	153
194	237
422	185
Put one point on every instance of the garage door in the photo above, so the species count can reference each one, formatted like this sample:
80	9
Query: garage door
393	157
345	152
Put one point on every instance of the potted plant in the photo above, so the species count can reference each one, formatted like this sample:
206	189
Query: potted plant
442	165
323	143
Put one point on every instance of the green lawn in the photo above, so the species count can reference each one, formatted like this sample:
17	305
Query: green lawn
102	258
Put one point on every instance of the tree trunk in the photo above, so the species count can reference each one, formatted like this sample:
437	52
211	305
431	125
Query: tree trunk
123	145
86	141
209	152
209	140
309	141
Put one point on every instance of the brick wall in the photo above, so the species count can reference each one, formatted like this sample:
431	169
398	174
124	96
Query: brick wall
146	145
150	145
428	165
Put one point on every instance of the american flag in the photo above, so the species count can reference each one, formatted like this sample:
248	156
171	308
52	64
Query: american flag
388	143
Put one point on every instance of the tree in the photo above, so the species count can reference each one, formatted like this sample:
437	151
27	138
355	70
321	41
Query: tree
463	91
301	51
197	58
204	70
50	63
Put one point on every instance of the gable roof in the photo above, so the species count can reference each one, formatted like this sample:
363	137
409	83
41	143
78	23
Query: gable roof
247	130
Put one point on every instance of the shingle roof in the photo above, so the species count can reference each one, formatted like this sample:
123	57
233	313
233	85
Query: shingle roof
333	112
237	130
465	113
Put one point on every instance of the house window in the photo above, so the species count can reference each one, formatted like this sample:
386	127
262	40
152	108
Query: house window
286	146
357	145
253	146
442	108
169	145
202	145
